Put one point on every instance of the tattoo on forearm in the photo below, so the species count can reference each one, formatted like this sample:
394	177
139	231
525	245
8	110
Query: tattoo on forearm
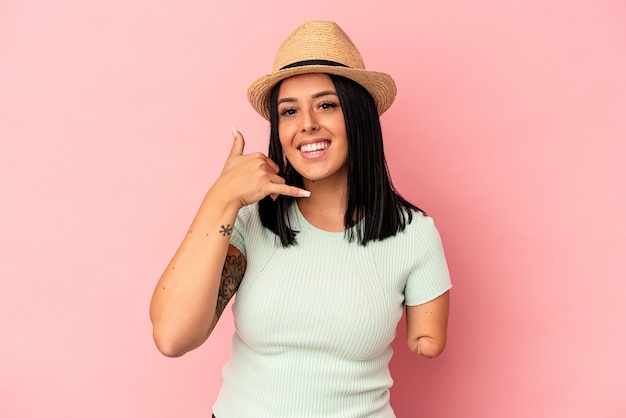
232	273
226	230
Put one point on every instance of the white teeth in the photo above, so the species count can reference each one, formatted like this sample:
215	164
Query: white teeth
317	146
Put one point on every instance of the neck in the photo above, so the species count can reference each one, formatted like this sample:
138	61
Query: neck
326	207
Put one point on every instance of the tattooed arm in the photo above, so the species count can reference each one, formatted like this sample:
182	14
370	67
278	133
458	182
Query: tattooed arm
199	280
206	270
232	274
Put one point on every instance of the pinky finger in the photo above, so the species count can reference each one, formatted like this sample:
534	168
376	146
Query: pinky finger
290	191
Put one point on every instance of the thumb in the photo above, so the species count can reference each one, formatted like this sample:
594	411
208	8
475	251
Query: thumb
238	143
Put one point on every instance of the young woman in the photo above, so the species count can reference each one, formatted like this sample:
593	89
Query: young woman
321	250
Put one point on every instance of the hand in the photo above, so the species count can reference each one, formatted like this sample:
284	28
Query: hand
249	178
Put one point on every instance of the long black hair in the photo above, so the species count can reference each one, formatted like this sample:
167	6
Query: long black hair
371	195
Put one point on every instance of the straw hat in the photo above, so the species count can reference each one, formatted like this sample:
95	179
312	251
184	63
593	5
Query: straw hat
321	47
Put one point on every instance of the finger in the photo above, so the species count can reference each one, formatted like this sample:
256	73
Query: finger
272	165
238	143
287	190
276	180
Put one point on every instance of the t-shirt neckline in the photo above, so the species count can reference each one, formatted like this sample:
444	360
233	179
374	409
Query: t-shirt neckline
305	225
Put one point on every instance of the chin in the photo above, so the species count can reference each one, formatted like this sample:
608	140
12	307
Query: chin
312	173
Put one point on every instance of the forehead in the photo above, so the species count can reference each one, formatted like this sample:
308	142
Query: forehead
305	85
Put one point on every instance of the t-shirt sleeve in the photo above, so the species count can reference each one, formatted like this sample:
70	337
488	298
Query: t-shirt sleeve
238	237
429	277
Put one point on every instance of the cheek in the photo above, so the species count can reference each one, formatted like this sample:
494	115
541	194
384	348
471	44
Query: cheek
285	133
282	135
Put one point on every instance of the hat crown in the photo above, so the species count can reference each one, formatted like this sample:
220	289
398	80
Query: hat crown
318	40
320	46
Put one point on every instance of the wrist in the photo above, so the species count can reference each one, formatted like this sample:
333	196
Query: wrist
222	201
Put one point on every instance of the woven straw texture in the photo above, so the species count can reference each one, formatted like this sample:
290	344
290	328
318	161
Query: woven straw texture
321	40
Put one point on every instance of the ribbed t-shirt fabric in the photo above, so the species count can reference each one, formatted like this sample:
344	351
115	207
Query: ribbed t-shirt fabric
314	321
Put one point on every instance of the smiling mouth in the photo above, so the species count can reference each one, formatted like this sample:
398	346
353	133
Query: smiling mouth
314	147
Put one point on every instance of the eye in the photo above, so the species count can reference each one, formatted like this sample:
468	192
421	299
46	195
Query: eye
288	111
328	105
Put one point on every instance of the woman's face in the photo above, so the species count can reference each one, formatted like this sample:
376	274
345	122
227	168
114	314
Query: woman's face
311	127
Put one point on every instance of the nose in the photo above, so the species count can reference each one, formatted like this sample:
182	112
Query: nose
309	122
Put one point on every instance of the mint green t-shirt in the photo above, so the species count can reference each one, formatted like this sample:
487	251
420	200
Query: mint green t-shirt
314	321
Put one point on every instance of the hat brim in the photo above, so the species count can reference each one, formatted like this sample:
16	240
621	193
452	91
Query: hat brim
380	85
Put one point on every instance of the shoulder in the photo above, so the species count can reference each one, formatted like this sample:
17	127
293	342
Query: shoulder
247	217
248	225
245	227
420	228
419	238
429	277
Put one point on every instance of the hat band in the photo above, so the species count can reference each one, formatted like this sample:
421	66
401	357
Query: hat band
313	62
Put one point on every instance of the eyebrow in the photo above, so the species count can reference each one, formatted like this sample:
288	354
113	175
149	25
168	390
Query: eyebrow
313	96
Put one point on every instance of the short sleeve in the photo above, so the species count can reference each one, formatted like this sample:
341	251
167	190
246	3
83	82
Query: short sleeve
238	237
429	277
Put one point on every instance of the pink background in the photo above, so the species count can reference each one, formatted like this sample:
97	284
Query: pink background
509	128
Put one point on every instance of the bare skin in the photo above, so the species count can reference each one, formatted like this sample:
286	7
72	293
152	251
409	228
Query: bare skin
310	113
427	326
206	270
